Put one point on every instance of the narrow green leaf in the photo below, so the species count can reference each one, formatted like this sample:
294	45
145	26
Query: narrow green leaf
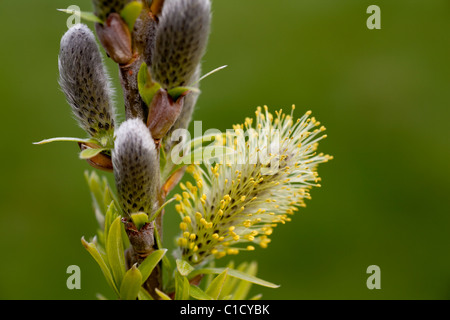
89	16
182	287
216	285
244	286
166	262
131	284
230	282
156	214
144	295
147	266
92	249
115	251
197	293
110	215
147	87
66	139
90	153
210	73
131	12
162	294
236	274
184	268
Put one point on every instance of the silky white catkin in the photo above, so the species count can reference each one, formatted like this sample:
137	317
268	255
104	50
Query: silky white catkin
136	167
181	39
84	81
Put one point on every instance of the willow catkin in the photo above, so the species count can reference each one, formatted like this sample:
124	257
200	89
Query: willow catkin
136	167
181	39
84	81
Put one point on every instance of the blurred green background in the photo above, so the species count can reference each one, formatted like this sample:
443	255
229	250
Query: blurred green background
384	96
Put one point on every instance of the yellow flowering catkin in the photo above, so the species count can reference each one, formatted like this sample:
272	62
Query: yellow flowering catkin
242	199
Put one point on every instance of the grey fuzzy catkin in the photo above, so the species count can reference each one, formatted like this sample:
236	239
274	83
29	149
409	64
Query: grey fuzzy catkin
102	8
136	167
185	117
84	81
181	38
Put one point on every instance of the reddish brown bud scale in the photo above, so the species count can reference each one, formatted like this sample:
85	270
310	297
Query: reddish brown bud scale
163	112
115	37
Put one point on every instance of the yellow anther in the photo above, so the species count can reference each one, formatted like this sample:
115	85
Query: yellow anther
182	242
183	226
187	219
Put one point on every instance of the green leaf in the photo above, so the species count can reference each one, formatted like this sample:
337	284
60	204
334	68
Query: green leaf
89	16
156	214
147	87
210	73
230	282
131	12
110	216
182	287
92	249
244	286
93	181
162	294
115	251
216	285
139	219
90	152
197	293
236	274
65	139
131	284
177	92
147	266
144	295
183	267
166	262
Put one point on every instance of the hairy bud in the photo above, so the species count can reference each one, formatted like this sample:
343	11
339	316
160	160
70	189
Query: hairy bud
103	8
181	40
136	167
84	81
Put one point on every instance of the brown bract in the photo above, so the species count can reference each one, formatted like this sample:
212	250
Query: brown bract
115	37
